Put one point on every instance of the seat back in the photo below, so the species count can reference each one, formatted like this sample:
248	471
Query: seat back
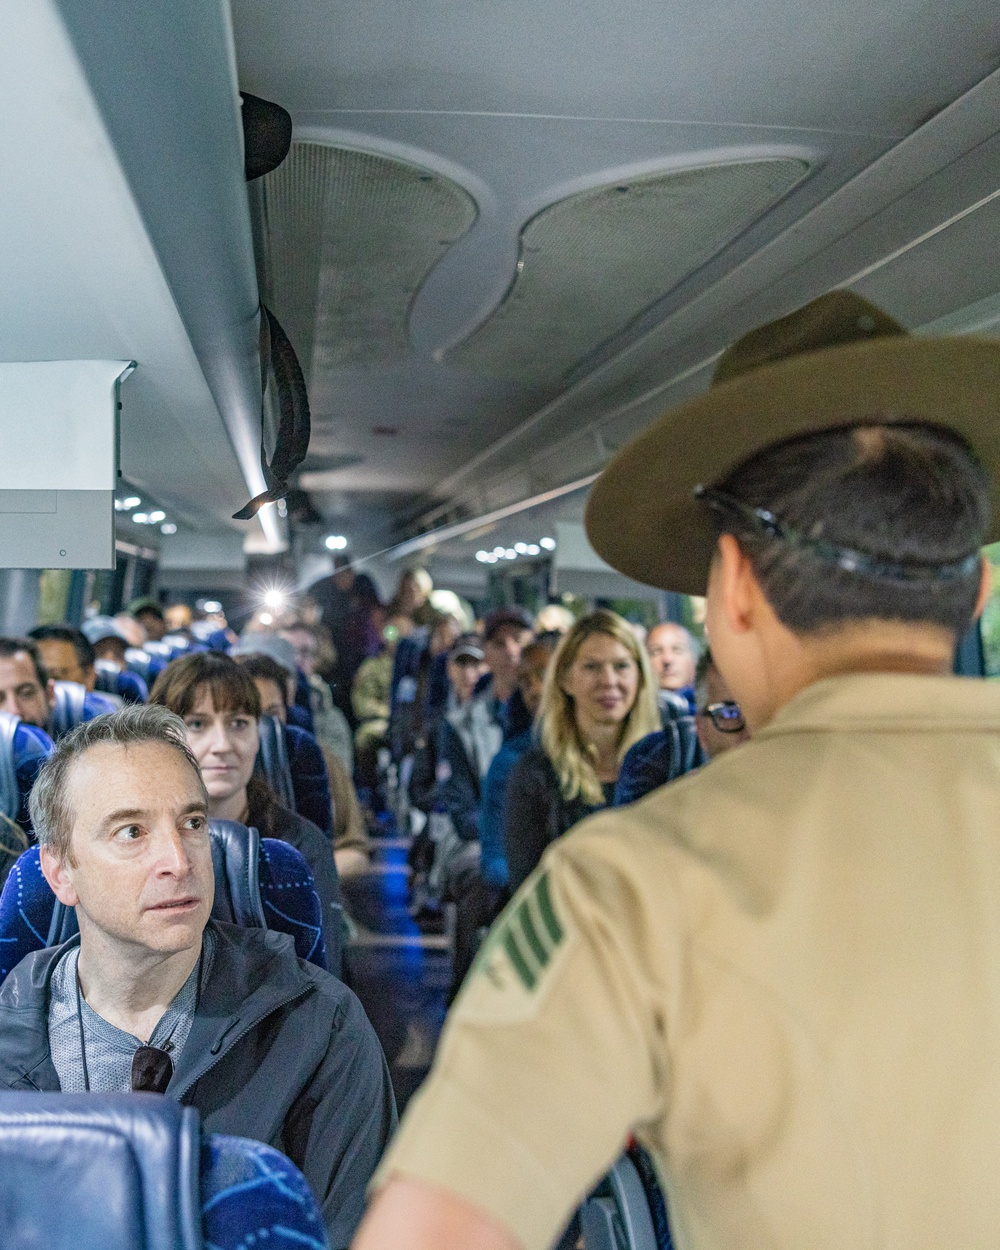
10	793
272	761
134	1171
616	1215
125	1169
259	883
67	707
109	679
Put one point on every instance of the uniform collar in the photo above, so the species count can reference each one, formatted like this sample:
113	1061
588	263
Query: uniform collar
890	703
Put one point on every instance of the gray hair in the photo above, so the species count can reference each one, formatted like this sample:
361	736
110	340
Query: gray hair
133	725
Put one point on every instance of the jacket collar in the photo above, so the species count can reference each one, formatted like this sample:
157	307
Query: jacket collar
251	976
890	703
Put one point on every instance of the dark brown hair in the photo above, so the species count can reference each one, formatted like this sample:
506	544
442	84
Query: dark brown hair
232	687
905	494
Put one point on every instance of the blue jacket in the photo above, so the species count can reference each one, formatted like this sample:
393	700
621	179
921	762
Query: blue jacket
493	849
310	780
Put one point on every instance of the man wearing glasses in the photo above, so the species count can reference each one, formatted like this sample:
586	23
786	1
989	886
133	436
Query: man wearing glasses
153	996
719	719
781	973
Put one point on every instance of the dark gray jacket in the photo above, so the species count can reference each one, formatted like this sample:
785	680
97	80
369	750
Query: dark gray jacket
279	1051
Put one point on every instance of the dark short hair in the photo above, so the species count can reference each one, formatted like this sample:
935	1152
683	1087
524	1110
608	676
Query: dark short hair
231	685
263	668
134	725
511	617
908	495
9	647
85	656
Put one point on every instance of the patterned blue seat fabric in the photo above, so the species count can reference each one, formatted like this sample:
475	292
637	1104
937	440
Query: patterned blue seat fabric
127	685
270	888
23	750
74	704
292	763
161	1185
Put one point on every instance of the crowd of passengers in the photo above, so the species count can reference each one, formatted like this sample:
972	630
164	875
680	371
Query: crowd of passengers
491	738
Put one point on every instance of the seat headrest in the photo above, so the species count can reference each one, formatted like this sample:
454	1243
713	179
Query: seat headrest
236	860
272	760
99	1172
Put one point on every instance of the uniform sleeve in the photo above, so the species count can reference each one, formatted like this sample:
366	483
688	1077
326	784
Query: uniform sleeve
550	1057
527	806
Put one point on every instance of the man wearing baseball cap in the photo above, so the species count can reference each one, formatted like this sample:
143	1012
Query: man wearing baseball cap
781	973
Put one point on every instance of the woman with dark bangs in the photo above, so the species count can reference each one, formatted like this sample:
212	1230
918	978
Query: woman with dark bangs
220	707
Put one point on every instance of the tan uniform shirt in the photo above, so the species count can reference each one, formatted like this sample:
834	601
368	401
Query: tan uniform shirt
781	973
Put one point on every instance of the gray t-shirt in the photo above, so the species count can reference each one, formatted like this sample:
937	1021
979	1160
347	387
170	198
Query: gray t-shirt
109	1050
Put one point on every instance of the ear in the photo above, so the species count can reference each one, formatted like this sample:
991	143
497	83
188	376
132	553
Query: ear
58	874
985	589
736	583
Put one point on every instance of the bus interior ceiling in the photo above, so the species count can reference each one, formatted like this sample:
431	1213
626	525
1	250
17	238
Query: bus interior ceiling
505	238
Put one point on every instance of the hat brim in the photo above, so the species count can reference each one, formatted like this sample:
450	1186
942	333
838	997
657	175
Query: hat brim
642	517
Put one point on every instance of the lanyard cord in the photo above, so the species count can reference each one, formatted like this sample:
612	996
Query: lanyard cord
79	1021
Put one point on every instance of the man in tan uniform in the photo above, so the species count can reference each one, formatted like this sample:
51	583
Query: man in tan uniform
781	973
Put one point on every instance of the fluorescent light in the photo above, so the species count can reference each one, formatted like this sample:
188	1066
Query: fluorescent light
548	543
335	542
211	606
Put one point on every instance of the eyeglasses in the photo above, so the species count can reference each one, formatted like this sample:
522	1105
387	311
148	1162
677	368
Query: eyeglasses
727	717
152	1069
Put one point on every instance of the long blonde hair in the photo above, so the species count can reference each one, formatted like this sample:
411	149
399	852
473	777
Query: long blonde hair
570	756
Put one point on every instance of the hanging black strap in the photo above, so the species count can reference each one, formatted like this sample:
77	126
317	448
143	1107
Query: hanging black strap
294	423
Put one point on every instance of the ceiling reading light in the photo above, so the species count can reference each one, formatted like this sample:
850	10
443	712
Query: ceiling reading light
169	528
483	557
211	606
521	548
548	543
510	554
534	549
335	542
498	551
133	501
140	518
156	517
266	618
275	598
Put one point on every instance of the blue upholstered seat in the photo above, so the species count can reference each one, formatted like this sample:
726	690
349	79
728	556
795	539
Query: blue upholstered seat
133	1170
292	764
74	704
260	882
128	685
23	750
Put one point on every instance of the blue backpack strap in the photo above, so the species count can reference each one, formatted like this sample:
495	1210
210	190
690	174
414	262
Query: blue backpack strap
10	795
236	860
272	761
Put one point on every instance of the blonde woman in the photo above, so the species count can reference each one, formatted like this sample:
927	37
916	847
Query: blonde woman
599	698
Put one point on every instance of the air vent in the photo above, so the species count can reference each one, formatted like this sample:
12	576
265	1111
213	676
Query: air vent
591	264
351	236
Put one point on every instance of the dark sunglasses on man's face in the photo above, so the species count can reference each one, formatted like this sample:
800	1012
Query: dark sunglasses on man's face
152	1069
726	717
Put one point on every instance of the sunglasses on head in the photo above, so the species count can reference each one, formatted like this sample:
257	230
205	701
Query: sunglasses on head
727	717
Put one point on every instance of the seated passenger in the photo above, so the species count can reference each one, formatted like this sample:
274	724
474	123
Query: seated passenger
330	726
506	632
149	614
351	847
597	701
371	696
25	673
111	645
720	721
781	973
153	995
673	654
310	783
219	706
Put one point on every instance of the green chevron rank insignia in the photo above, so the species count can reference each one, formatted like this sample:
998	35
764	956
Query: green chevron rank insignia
515	957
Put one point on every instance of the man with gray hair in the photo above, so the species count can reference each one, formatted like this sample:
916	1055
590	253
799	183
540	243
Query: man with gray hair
155	996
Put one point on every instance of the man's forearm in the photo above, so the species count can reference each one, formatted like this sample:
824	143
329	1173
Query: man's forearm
410	1214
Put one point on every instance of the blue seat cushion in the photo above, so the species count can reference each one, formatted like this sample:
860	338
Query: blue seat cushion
253	1198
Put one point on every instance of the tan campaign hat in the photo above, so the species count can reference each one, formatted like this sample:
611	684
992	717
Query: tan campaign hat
838	361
